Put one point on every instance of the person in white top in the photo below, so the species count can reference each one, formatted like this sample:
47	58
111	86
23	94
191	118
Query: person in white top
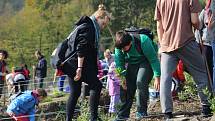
17	79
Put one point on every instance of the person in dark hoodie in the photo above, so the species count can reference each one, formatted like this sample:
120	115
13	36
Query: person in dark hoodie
40	69
83	41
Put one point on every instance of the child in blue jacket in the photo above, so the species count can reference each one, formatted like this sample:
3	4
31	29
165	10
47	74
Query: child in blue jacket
22	107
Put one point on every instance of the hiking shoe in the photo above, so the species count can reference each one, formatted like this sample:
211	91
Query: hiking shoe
168	115
206	111
140	116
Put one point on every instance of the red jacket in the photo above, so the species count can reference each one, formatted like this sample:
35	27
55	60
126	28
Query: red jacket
59	72
179	72
26	73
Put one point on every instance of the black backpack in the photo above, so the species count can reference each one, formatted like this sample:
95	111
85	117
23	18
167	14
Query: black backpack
134	31
60	54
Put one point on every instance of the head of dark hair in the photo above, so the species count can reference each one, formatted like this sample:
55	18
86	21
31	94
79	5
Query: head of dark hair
122	39
25	65
42	92
5	53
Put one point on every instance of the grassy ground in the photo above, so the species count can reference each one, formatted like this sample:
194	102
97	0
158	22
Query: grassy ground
186	108
55	109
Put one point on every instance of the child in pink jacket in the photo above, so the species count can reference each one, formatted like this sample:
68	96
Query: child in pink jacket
113	86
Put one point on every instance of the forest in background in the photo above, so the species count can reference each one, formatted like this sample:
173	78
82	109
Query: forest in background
29	25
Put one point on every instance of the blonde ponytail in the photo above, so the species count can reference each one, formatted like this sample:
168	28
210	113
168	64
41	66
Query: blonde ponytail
102	12
102	7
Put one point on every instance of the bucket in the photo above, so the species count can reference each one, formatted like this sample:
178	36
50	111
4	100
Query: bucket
153	94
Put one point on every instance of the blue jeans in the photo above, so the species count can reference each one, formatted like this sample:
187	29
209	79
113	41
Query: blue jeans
213	48
61	82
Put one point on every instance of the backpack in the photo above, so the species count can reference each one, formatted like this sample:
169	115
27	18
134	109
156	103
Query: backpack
146	31
24	72
134	31
60	53
54	57
14	96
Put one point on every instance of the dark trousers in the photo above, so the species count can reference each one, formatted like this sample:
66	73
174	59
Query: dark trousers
39	82
22	84
122	94
209	57
75	91
137	78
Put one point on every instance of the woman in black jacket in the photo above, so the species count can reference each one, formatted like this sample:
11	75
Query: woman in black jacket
83	66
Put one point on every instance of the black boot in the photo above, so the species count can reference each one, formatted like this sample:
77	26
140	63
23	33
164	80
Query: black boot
206	111
168	115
